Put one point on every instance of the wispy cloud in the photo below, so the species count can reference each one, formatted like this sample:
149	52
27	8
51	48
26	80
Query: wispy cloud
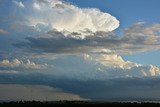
19	4
3	32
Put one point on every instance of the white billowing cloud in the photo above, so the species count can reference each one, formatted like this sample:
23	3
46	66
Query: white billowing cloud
113	65
151	70
114	60
91	67
68	18
15	63
142	71
20	4
15	92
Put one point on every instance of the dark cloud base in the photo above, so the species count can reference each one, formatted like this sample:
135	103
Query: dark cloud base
120	89
137	38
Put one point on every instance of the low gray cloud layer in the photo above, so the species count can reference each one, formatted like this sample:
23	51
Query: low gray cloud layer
15	92
118	89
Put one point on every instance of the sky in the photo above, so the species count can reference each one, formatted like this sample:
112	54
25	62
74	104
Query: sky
52	49
129	13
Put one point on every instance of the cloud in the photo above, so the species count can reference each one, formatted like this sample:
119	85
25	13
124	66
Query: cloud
114	66
115	61
105	46
56	42
8	72
121	89
117	89
53	27
15	92
67	18
56	28
36	6
19	4
3	32
141	37
15	63
137	38
93	68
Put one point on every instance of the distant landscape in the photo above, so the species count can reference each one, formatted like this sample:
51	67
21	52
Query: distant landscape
79	104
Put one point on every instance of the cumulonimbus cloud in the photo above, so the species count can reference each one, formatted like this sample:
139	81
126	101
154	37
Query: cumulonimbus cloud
57	27
67	18
59	24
